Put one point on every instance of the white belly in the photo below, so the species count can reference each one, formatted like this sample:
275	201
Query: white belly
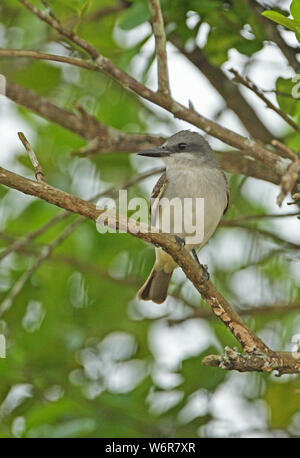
199	218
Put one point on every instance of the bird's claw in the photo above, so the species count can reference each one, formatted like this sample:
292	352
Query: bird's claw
205	274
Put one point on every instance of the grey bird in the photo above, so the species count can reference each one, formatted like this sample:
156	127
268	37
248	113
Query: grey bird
192	170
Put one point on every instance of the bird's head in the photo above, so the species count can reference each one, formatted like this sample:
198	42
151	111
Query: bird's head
183	148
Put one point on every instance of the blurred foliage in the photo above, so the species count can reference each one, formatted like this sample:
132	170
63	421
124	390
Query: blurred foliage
84	357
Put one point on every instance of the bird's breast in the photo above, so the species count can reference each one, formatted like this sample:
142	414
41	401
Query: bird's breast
203	186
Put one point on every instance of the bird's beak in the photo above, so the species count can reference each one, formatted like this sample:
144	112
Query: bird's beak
159	151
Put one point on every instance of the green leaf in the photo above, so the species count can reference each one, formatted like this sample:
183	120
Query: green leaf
280	19
285	88
295	10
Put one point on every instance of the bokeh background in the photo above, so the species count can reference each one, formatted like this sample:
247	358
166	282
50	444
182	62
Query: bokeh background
84	357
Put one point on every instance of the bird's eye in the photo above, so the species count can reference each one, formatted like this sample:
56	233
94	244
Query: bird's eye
182	146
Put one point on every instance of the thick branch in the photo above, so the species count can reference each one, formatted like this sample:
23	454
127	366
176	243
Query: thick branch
249	341
282	362
86	127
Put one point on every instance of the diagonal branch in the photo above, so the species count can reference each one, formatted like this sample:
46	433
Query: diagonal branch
246	146
273	34
107	139
39	174
250	85
251	344
48	249
160	46
231	94
87	127
198	312
20	243
46	252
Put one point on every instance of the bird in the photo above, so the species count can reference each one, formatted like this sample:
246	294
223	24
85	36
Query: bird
192	170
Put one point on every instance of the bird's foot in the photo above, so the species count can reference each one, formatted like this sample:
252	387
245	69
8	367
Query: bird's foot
180	241
205	274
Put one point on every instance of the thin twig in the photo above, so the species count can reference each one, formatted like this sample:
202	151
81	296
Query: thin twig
78	263
250	85
160	46
39	174
20	243
46	56
266	234
263	216
49	10
287	152
20	283
201	312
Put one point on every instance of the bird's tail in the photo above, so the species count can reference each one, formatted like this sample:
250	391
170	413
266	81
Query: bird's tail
156	286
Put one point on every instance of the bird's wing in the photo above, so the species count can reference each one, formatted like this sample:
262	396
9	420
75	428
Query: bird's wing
156	195
227	205
227	193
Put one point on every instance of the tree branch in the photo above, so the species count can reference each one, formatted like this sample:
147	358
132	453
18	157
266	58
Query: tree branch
250	85
20	243
46	252
87	127
251	344
227	90
39	174
283	362
271	30
104	139
160	46
246	146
